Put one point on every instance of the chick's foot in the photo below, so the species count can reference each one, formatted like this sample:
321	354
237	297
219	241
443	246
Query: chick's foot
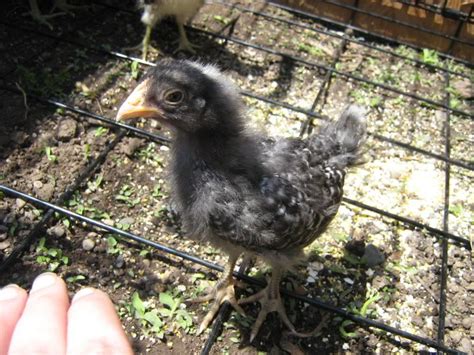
270	301
223	292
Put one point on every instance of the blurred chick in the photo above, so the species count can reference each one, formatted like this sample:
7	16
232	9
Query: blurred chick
155	10
243	192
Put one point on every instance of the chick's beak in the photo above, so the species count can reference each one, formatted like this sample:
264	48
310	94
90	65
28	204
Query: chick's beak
135	105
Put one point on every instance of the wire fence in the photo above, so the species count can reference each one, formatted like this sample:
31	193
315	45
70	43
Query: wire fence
330	72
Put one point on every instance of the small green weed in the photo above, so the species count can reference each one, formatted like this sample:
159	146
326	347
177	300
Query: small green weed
50	155
430	57
135	70
148	317
94	185
222	19
307	48
87	151
75	278
125	195
100	131
113	246
53	257
172	310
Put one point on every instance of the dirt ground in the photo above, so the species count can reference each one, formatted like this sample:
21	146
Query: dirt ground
368	264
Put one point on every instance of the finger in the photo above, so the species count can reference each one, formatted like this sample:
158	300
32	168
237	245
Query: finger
93	325
12	303
42	326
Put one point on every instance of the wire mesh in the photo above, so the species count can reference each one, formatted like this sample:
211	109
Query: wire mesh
330	71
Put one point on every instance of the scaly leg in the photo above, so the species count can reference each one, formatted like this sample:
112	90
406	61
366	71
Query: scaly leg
223	291
144	45
184	44
270	301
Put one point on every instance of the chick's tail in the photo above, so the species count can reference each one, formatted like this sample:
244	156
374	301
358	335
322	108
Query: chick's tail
345	137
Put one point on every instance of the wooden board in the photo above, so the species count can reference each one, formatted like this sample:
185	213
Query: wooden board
403	13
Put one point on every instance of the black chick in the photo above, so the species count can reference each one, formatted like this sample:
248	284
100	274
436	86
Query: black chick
155	10
243	192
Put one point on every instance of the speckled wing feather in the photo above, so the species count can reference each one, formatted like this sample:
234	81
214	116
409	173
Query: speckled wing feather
299	196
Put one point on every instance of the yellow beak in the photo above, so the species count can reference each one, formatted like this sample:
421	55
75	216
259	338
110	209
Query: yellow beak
135	106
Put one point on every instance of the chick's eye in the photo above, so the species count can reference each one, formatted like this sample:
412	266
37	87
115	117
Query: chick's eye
174	97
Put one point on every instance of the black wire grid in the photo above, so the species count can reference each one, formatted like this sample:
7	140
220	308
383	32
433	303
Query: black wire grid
352	35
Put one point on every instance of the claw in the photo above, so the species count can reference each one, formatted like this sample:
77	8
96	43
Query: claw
270	301
224	293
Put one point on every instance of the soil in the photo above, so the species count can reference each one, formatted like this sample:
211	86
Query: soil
365	263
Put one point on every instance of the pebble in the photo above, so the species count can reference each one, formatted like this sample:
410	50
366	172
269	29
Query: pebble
57	231
66	129
45	192
455	336
37	184
120	261
3	236
466	345
88	244
373	256
20	203
5	244
126	220
131	146
146	263
108	222
467	322
92	235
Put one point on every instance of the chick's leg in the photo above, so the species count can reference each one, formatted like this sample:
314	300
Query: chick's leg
223	292
270	301
184	44
144	45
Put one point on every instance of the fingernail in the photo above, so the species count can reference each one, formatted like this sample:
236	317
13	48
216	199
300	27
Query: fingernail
9	292
44	280
82	293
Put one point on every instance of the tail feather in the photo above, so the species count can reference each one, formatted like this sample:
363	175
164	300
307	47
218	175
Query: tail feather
346	136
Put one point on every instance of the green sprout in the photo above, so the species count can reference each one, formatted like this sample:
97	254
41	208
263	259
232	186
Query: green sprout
53	257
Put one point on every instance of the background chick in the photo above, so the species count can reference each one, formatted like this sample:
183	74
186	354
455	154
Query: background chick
244	192
155	10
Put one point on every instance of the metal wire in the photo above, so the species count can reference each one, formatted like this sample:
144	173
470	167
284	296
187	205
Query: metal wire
342	37
307	112
164	140
66	195
444	234
444	244
398	22
196	260
365	32
443	10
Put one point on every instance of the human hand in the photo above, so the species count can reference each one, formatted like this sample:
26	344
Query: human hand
45	322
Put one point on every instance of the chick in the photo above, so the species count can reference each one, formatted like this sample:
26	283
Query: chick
244	192
155	10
